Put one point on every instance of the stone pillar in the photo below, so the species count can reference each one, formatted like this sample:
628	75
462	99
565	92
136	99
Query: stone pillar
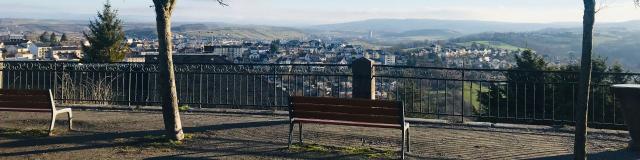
364	85
629	97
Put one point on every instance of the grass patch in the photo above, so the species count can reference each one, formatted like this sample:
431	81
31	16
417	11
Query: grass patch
493	44
127	150
309	148
184	108
364	152
420	115
9	132
370	153
470	94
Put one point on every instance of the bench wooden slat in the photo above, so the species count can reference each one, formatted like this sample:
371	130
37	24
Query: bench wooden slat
25	109
347	117
347	123
23	92
347	109
25	98
25	104
343	102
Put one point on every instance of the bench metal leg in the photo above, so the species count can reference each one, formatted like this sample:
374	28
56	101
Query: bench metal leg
70	120
403	142
408	140
290	133
53	122
300	131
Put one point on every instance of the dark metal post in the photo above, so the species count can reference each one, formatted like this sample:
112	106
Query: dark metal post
129	86
200	86
462	93
1	71
364	85
628	94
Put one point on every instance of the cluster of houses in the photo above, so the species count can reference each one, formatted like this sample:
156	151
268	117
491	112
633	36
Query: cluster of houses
275	52
459	57
18	47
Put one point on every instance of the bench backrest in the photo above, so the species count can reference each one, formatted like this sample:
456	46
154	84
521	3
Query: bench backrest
354	110
37	100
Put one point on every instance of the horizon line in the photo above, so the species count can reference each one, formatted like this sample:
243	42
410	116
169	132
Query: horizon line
137	20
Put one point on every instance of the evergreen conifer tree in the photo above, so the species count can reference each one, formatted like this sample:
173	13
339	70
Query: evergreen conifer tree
43	37
53	39
106	38
64	37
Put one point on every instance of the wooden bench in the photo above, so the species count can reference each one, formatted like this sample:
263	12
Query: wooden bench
32	101
350	112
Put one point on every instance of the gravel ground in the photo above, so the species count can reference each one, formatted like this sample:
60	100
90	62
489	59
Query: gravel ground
137	135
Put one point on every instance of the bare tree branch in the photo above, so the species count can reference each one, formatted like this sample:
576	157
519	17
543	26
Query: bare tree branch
603	5
222	3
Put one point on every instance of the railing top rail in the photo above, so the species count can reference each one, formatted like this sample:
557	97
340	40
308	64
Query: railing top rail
497	70
180	63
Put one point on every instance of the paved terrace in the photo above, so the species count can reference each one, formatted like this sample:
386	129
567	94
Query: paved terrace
217	135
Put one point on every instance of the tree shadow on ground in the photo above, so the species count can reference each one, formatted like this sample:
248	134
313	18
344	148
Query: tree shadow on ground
623	154
90	138
255	146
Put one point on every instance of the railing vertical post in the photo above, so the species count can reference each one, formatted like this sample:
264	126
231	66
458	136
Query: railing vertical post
275	86
364	85
462	95
55	79
63	83
129	86
200	85
1	71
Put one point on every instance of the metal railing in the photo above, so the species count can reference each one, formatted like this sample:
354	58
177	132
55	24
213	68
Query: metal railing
260	86
509	96
532	97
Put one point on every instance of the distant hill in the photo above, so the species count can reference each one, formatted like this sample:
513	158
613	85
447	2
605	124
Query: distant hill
617	44
33	27
462	26
244	32
36	25
422	34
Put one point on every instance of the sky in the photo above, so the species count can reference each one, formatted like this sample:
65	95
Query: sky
314	12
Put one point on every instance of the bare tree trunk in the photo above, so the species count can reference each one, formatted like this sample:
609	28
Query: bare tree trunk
170	113
584	85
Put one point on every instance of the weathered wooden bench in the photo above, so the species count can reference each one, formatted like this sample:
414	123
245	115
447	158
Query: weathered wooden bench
32	101
350	112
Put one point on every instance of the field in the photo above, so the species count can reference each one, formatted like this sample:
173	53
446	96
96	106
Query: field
494	44
470	94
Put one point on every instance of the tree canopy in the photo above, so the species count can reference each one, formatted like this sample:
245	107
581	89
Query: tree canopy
528	60
106	38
